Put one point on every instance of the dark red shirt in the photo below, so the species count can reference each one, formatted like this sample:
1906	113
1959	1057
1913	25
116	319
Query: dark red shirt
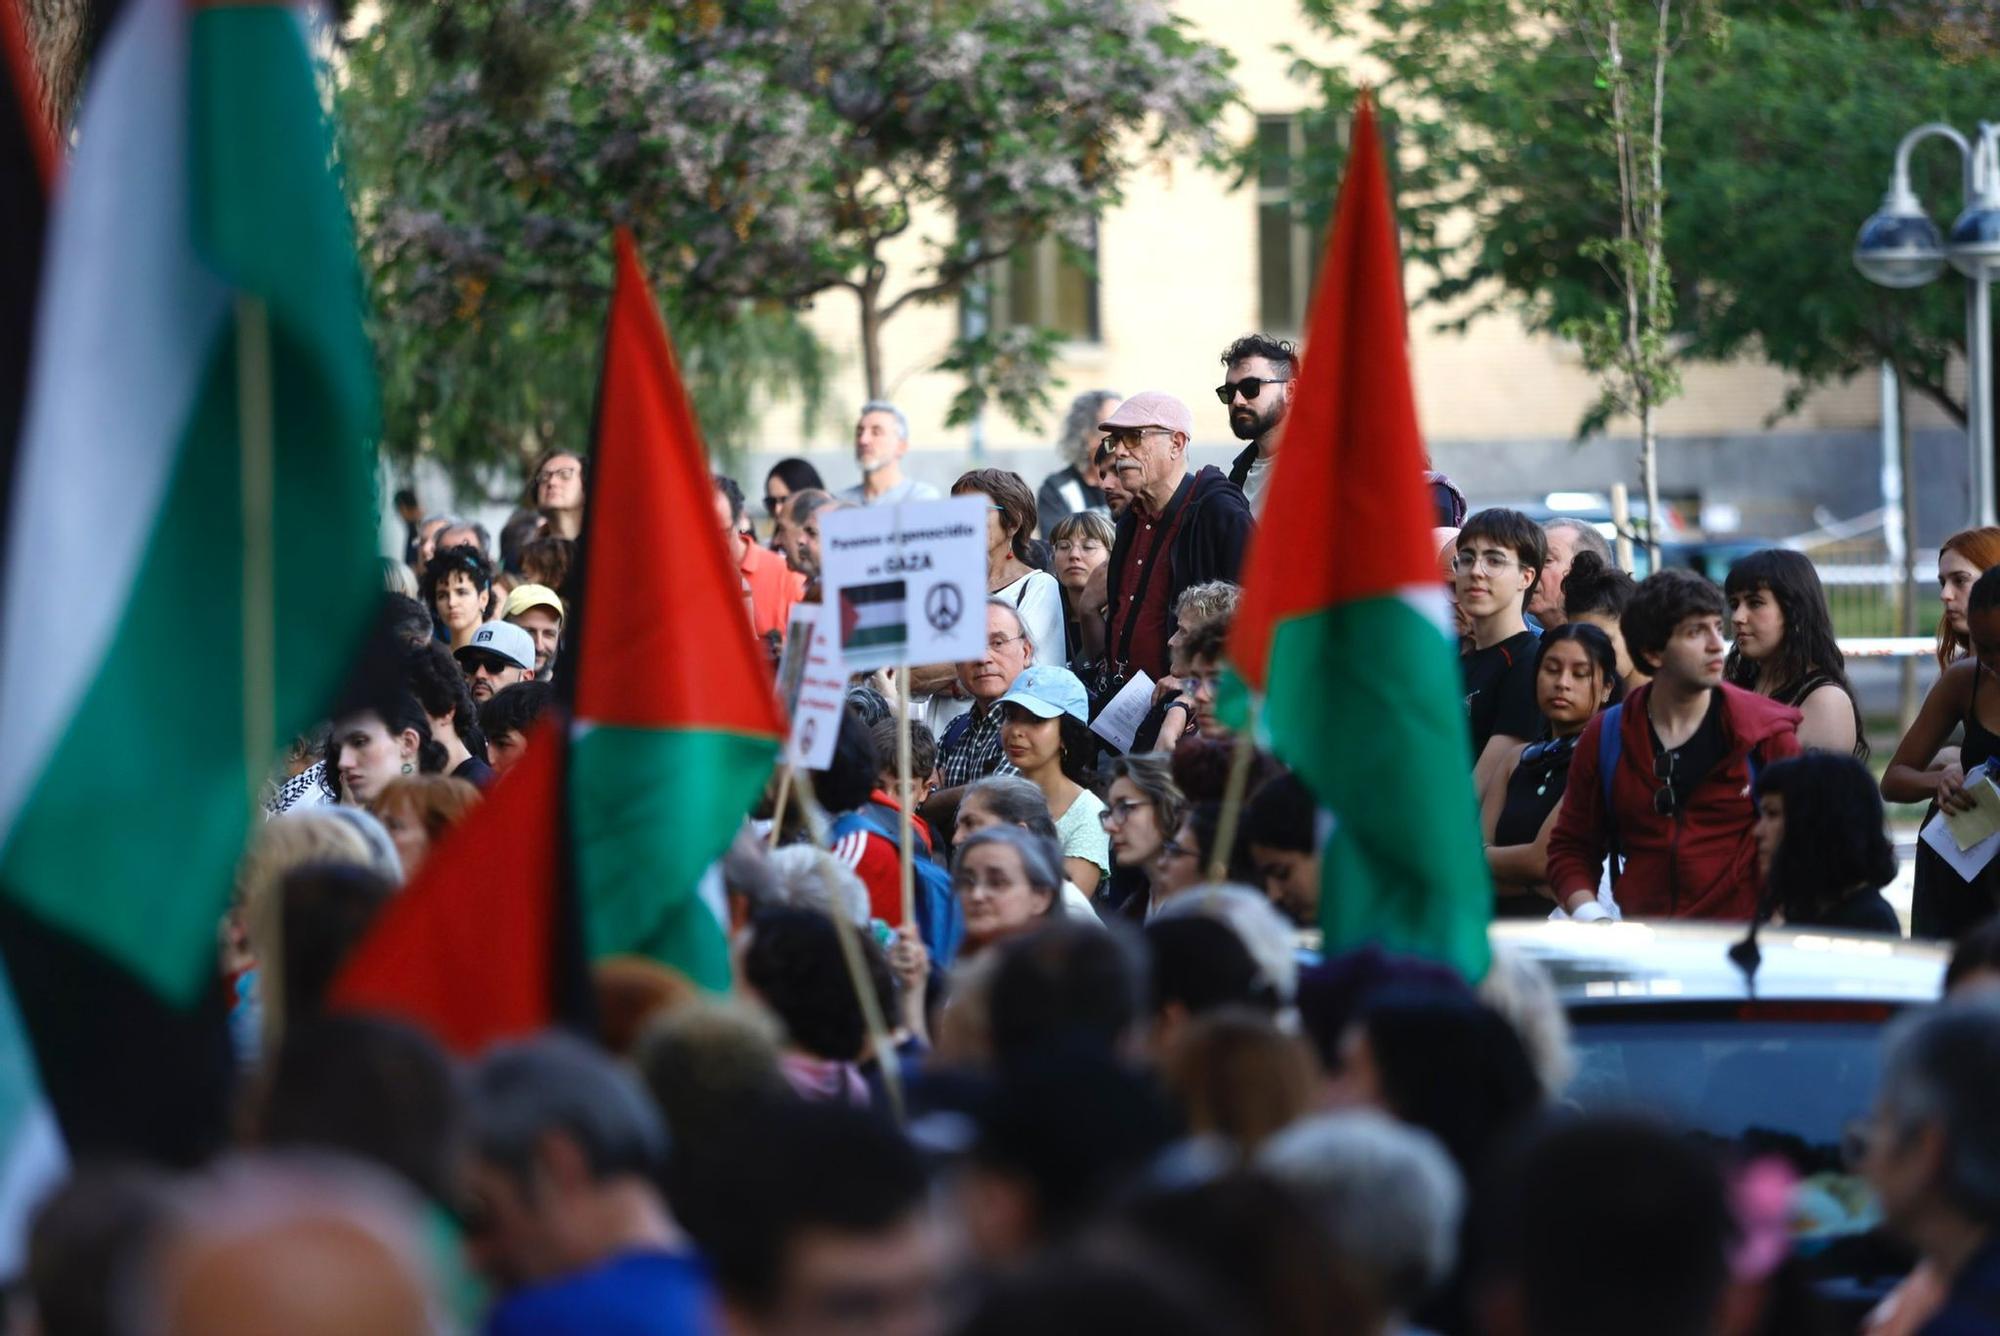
1144	603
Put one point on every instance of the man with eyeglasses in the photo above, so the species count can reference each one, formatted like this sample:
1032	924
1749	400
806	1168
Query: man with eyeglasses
1499	558
1256	390
1181	529
1679	770
970	746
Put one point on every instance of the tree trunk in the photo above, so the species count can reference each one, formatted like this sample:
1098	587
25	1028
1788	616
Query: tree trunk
870	294
1649	479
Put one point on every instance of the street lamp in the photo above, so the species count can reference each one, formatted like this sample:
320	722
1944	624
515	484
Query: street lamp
1900	247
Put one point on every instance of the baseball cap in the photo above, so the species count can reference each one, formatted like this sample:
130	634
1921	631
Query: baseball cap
1046	691
523	597
1151	408
505	639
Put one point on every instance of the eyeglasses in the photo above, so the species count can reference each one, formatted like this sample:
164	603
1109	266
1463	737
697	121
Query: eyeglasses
1131	440
998	643
1116	813
1498	563
1249	387
1665	800
563	474
1175	849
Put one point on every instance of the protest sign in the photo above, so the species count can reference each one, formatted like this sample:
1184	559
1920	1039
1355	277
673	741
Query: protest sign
813	687
906	583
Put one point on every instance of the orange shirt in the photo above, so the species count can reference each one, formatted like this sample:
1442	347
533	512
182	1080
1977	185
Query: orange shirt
773	588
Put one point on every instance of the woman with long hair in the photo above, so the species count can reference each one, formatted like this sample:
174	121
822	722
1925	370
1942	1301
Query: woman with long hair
1943	904
1011	573
374	741
786	479
1962	558
1576	674
1078	486
458	589
1045	732
1596	592
1784	647
1081	543
1821	845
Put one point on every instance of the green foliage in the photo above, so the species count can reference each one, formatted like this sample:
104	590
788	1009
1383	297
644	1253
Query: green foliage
764	151
1780	129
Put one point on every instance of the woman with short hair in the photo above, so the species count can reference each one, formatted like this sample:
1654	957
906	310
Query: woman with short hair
458	589
417	810
1008	881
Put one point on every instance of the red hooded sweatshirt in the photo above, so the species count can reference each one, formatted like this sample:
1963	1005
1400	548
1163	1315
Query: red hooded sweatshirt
1702	861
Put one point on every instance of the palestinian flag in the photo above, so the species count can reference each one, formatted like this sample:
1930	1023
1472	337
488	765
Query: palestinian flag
1344	628
677	722
27	168
471	949
872	616
201	387
32	1158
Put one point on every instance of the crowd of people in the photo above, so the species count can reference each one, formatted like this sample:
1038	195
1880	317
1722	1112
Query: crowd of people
1093	1073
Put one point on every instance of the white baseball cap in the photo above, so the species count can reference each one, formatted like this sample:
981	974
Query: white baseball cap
505	639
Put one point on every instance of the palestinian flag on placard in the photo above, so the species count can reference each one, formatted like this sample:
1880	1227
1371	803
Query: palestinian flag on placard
873	615
201	388
471	949
1343	627
677	722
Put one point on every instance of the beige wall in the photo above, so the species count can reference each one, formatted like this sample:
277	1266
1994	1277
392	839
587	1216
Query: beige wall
1178	280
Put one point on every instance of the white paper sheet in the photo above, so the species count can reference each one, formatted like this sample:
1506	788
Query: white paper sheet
1967	863
1118	722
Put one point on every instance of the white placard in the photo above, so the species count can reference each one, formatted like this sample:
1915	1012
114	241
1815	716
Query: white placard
820	692
1118	722
906	583
1967	863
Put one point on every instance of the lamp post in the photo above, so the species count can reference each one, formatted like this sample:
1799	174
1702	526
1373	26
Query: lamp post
1900	247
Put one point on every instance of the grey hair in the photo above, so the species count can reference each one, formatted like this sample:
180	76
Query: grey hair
382	856
1264	932
1027	636
884	406
1388	1193
1519	988
1079	429
1041	859
1014	802
811	878
478	530
1941	1068
1588	539
558	1083
398	578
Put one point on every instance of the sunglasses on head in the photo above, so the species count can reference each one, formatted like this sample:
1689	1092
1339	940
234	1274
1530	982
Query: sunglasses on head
1249	387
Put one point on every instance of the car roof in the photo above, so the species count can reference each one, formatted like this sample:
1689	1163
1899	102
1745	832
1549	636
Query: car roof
1623	963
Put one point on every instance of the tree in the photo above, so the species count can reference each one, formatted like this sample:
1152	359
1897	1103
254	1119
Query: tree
768	151
1781	133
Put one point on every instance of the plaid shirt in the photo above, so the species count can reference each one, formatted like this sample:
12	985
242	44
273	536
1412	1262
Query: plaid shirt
973	752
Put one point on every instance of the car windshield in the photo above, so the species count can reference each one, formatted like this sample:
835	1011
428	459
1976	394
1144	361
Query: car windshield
1785	1080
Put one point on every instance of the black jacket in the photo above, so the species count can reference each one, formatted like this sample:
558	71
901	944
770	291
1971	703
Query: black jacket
1239	467
1209	545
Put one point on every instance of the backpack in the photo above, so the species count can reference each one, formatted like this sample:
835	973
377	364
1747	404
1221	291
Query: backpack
1611	746
939	921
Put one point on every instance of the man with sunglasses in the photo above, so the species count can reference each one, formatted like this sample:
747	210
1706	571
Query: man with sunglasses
1256	390
1678	771
1180	529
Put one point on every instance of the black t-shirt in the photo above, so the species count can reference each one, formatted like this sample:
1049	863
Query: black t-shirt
1864	911
1687	765
474	770
1500	690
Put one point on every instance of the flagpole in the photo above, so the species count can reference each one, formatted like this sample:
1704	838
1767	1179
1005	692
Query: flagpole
778	805
857	968
260	687
906	868
1232	796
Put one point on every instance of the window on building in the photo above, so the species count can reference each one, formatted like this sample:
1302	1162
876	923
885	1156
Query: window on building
1288	243
1041	284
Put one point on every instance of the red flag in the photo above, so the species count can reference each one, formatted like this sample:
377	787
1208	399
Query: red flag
468	950
1351	464
665	644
